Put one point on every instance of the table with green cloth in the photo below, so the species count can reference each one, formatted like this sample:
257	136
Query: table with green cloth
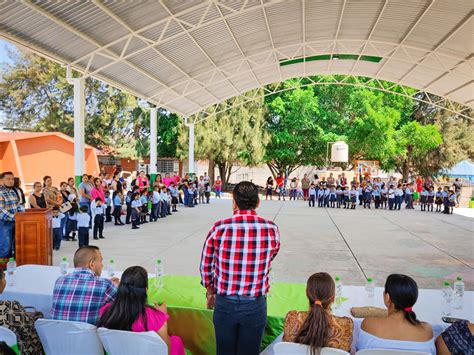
192	321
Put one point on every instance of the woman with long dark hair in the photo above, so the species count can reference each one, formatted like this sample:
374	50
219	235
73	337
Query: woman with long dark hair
129	311
269	188
399	329
317	327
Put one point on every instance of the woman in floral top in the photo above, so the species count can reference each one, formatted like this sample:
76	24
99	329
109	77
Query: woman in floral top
317	327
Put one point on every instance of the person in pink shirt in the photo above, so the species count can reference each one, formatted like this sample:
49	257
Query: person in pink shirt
167	180
130	311
98	191
142	182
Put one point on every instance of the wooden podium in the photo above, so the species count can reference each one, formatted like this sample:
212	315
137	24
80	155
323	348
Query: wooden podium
34	237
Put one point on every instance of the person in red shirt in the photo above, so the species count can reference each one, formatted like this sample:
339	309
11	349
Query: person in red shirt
280	182
235	264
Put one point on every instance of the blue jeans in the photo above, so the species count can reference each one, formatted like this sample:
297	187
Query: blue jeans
6	238
57	237
239	325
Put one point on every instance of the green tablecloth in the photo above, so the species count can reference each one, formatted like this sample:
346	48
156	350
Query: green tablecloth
189	318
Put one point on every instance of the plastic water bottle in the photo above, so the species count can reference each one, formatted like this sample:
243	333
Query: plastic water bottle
111	268
447	299
338	292
11	268
159	274
458	293
63	266
370	291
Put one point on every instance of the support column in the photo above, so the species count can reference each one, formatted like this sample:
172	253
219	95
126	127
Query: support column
191	150
79	113
153	144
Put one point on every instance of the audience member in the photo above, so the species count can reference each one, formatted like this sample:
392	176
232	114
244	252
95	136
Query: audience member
317	327
9	206
19	191
400	329
235	264
21	322
79	295
458	339
51	193
129	311
36	199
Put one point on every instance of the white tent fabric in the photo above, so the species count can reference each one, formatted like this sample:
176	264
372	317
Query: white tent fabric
188	55
464	168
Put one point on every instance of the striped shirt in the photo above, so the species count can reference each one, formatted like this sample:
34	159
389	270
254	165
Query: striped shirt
237	254
79	296
9	204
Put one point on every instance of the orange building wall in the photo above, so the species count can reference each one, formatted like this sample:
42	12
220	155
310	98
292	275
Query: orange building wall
48	155
7	158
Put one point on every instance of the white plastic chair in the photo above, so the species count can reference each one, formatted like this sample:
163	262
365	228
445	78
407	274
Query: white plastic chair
119	342
389	352
285	348
60	337
8	337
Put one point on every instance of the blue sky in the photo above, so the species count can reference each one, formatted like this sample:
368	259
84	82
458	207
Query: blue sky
5	46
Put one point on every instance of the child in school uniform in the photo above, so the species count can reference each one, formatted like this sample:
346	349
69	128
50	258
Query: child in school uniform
207	192
360	193
312	195
143	207
321	197
72	222
339	194
99	211
409	198
423	198
155	204
57	230
446	200
332	196
452	201
174	197
117	200
195	194
136	208
383	196
346	197
431	197
83	220
398	197
391	197
327	192
191	195
352	196
376	196
128	202
367	196
108	206
439	199
165	206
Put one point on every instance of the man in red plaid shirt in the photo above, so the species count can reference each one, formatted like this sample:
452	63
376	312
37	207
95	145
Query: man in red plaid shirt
235	264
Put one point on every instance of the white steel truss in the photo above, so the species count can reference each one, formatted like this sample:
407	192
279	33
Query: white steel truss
186	56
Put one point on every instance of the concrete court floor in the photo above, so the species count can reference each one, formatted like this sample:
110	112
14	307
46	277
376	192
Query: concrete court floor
353	244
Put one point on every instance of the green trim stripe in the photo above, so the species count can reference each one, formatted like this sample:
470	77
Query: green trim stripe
366	58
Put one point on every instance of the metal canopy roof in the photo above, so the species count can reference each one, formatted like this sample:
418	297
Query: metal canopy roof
186	55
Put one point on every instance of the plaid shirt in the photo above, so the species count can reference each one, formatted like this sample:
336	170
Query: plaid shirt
9	204
237	254
79	296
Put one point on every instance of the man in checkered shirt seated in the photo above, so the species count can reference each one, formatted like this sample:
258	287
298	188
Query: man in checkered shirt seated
235	264
79	295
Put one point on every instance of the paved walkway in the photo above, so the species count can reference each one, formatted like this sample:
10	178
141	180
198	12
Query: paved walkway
351	243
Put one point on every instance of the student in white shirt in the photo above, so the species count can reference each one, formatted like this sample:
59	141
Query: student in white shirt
83	220
57	230
155	204
98	211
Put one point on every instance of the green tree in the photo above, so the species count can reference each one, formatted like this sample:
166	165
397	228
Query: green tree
296	138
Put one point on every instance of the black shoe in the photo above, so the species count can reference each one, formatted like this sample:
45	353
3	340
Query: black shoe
102	237
96	238
135	227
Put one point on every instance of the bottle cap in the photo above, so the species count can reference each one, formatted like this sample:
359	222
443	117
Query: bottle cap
111	261
369	279
12	259
446	283
64	259
158	261
337	278
459	278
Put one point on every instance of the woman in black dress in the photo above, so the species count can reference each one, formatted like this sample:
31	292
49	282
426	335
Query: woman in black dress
269	188
37	199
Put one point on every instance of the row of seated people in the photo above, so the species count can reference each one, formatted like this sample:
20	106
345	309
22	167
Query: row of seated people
122	305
